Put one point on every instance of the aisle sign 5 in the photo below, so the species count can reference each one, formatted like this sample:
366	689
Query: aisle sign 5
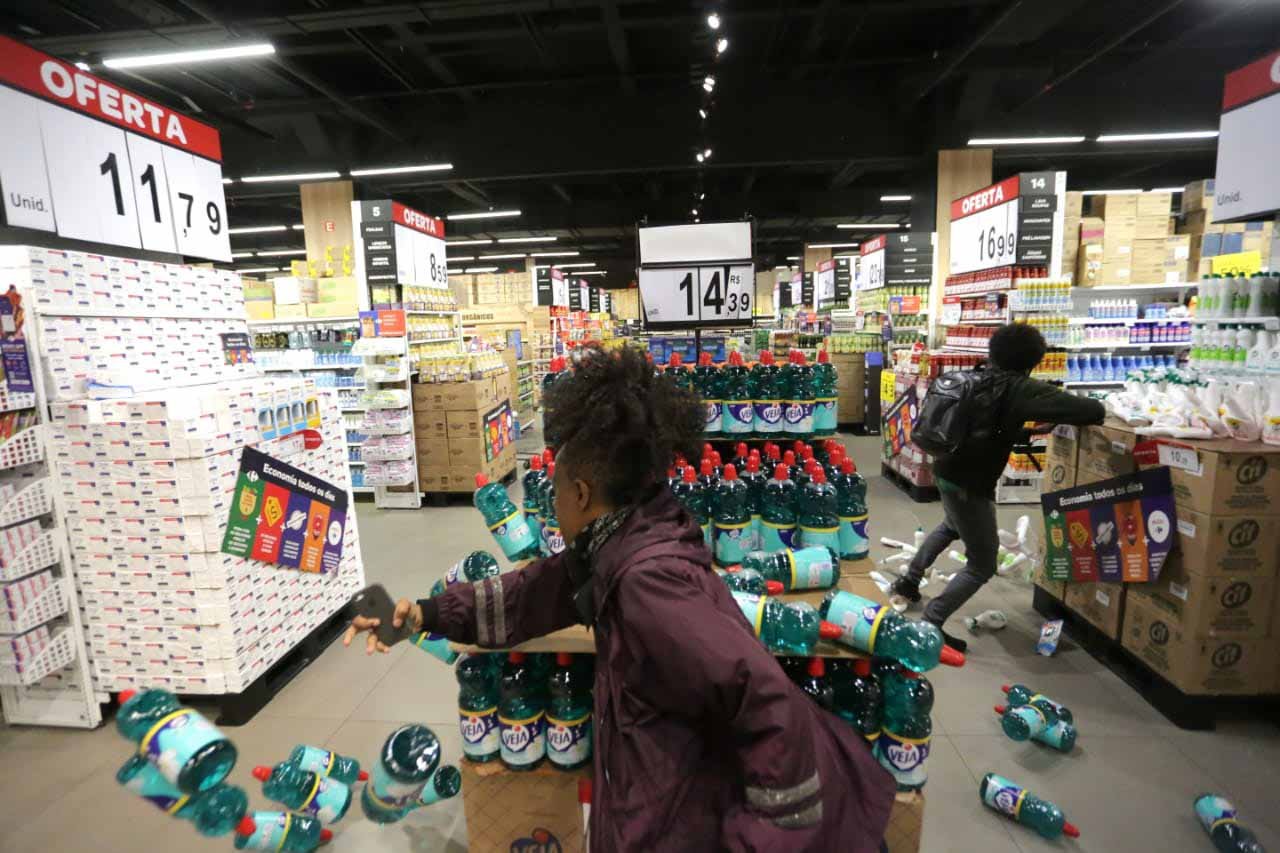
90	161
717	295
871	268
984	228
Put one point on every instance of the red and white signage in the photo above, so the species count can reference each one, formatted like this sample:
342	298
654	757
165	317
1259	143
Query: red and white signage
1247	182
559	289
418	221
824	284
88	160
984	228
871	270
996	194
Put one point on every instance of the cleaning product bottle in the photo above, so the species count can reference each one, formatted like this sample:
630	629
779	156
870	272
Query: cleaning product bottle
765	398
851	509
521	715
880	630
1253	295
799	411
505	521
817	519
188	751
678	373
1024	807
778	514
755	480
323	762
568	716
707	383
824	395
552	538
532	483
478	708
738	412
1256	361
214	812
906	729
732	519
1020	694
858	696
1218	817
444	784
749	581
692	496
281	832
1061	735
811	567
302	791
409	756
817	686
1271	423
785	628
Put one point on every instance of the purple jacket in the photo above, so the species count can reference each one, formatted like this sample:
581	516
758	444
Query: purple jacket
701	741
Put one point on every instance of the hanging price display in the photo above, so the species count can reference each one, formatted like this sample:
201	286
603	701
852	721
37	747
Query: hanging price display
984	228
559	289
413	252
871	268
681	287
1248	184
87	160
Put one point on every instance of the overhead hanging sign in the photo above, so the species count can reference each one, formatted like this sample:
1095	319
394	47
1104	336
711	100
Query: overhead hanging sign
698	275
824	284
402	245
1246	182
87	160
559	289
871	266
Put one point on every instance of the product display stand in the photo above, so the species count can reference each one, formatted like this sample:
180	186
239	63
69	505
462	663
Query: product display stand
389	447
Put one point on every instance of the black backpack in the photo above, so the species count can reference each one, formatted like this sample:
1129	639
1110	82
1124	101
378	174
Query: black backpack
959	407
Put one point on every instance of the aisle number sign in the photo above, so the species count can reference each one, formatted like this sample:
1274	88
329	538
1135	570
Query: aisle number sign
871	269
414	252
87	160
703	295
984	228
1247	183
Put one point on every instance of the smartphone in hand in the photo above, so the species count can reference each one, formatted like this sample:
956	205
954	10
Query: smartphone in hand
374	602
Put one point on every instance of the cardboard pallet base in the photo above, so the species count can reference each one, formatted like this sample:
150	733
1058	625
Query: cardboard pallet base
906	823
1183	710
439	499
919	494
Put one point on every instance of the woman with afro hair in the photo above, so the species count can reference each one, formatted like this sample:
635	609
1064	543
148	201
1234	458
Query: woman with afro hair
701	741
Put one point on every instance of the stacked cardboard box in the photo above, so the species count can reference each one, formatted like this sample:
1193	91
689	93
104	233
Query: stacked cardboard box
1134	246
1073	214
1209	239
492	289
850	382
462	429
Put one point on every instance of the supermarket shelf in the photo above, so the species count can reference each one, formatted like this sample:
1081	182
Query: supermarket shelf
1126	321
988	322
1108	383
1161	345
303	321
274	369
979	350
353	409
12	402
1271	324
976	293
526	361
130	313
422	312
362	490
1129	288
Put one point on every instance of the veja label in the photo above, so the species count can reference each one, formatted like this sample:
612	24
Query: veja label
327	801
738	418
513	535
451	576
824	414
391	793
768	416
730	541
713	416
151	786
318	761
479	730
1032	717
524	741
858	617
1214	811
553	542
826	536
853	537
774	537
569	741
1004	796
904	757
175	739
811	568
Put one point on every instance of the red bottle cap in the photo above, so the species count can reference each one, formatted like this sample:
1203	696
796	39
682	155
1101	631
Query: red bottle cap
807	453
481	481
1000	709
789	458
326	835
819	476
846	466
798	447
261	773
951	657
774	588
362	776
671	473
690	475
704	358
829	630
753	464
584	790
563	659
548	455
676	360
773	450
734	569
730	472
706	467
862	667
817	668
1004	688
1069	829
246	826
126	695
823	358
801	360
535	463
515	657
741	448
551	468
706	449
715	458
766	357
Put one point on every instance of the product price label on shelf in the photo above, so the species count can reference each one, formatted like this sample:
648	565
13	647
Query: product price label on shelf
87	160
1238	263
698	296
951	313
984	228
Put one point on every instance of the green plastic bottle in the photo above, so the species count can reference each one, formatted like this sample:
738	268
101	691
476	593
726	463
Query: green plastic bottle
1218	817
280	831
692	497
540	497
505	521
532	483
325	763
819	525
552	538
906	731
777	511
824	395
732	524
444	784
738	418
302	791
749	580
707	383
478	707
817	686
214	812
755	480
554	372
858	695
792	629
522	719
814	567
473	568
879	630
800	402
678	373
766	399
409	756
436	645
1020	694
1025	808
188	751
568	717
851	509
1029	722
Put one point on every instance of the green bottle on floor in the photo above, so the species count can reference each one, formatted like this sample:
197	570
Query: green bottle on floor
851	509
505	521
409	756
749	581
1029	722
879	630
777	511
214	812
280	831
732	520
444	784
522	717
1024	807
322	762
1020	694
796	568
568	717
792	629
1218	817
478	708
816	518
188	751
302	791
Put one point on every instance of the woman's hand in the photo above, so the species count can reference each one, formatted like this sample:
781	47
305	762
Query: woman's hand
406	610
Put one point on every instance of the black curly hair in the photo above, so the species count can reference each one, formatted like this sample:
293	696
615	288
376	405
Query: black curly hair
618	425
1017	346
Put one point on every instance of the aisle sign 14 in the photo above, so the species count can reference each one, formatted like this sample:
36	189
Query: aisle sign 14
984	228
88	160
718	295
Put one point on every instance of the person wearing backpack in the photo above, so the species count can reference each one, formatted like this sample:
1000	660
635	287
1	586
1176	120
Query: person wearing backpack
970	421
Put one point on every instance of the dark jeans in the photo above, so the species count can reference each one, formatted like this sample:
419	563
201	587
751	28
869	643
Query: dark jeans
971	519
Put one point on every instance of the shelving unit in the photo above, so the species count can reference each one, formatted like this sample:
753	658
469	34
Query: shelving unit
388	454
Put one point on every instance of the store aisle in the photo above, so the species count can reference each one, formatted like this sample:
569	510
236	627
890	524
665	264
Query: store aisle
1129	785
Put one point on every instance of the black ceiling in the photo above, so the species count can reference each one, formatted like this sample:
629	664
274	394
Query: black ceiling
584	113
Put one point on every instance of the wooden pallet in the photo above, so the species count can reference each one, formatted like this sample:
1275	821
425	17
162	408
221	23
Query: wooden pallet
440	499
919	494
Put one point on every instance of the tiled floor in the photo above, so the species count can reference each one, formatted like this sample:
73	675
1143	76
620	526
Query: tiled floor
1128	786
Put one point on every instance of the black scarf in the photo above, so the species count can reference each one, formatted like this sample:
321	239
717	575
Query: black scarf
581	558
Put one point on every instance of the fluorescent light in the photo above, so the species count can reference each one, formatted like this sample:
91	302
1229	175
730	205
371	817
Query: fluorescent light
713	21
706	153
793	257
300	176
592	272
298	227
484	214
484	242
480	269
1158	137
1028	140
694	212
527	239
868	226
187	57
1167	190
574	266
401	170
895	198
701	196
228	180
699	157
259	269
257	229
282	253
708	83
242	254
1110	192
722	45
566	254
459	258
831	246
499	257
83	66
702	113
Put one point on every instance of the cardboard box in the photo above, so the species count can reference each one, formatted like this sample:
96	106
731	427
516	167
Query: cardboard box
1058	589
1114	207
1222	477
1105	452
1214	606
1057	476
505	809
465	425
1198	195
432	453
1099	604
906	823
259	309
1064	444
1226	546
429	423
1154	206
1196	664
472	396
468	453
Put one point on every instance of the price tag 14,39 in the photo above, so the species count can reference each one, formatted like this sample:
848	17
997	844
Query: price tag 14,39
701	295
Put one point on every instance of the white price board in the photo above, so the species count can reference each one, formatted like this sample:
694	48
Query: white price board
984	228
1247	182
682	297
951	311
88	160
584	295
871	266
421	238
559	289
824	284
797	290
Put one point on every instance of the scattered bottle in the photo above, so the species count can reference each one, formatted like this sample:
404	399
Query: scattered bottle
521	715
552	538
777	512
409	756
444	784
505	521
568	717
879	630
214	812
805	568
706	381
792	628
1061	735
824	395
473	568
188	751
280	831
1218	817
478	708
800	402
765	398
322	762
302	791
1020	694
987	620
532	489
858	696
748	580
692	496
906	729
1022	722
818	522
1024	807
732	519
851	509
816	684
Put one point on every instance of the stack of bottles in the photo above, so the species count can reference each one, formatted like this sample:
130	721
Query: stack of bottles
1225	351
969	337
1109	367
1239	296
1053	328
1038	292
1122	334
982	281
1052	368
522	709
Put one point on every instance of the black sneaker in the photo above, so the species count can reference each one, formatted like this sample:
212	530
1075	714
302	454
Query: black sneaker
954	642
906	588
